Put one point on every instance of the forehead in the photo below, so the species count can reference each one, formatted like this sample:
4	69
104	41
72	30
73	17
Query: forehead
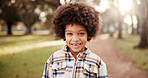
75	27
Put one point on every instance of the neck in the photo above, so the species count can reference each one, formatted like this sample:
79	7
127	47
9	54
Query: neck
75	54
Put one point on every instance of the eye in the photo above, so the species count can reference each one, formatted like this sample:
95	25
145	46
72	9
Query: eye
81	33
69	33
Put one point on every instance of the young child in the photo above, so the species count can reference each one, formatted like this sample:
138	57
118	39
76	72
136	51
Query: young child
76	23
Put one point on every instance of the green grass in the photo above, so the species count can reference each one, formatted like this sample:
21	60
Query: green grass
139	56
19	40
28	63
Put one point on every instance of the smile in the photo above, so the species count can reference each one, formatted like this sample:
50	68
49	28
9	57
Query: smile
76	45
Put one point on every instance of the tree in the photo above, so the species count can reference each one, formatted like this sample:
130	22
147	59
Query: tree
144	25
120	18
24	10
119	25
109	19
9	13
28	14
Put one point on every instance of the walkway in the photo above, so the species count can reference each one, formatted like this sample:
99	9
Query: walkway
118	64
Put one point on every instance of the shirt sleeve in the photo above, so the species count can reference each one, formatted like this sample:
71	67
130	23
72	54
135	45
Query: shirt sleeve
47	73
102	70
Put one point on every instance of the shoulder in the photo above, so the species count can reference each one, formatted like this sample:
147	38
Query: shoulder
93	58
93	55
57	55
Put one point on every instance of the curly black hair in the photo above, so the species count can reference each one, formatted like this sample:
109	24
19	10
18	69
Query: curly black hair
78	13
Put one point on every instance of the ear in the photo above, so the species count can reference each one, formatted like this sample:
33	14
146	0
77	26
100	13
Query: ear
89	38
64	39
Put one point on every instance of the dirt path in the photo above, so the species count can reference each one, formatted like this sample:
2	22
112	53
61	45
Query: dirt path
118	64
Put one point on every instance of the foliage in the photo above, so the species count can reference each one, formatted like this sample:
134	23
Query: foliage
9	11
13	11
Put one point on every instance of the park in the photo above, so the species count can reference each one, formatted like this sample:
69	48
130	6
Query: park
27	39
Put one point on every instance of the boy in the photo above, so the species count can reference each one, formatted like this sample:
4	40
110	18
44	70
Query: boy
76	23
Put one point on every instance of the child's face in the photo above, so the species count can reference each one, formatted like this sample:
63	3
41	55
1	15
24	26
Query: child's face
76	37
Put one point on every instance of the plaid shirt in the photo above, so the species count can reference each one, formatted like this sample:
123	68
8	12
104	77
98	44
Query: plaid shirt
62	64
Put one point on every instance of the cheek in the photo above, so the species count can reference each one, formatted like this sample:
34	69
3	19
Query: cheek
84	39
67	39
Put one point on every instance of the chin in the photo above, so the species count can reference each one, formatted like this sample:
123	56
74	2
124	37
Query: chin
76	51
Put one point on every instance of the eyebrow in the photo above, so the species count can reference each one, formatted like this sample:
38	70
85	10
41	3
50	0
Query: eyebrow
71	30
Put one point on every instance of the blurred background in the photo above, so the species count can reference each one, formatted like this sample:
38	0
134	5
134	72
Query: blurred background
27	39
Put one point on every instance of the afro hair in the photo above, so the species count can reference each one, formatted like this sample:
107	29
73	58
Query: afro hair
78	13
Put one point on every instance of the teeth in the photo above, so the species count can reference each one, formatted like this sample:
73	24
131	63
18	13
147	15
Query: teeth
75	44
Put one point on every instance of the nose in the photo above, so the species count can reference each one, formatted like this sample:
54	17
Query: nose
75	38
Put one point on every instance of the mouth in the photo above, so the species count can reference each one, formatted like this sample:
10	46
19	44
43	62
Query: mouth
76	45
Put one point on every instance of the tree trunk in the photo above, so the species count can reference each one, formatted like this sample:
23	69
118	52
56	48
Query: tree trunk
143	36
9	25
132	26
120	31
28	30
111	34
138	25
119	25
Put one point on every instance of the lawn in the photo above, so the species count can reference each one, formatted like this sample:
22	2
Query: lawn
24	56
17	61
139	56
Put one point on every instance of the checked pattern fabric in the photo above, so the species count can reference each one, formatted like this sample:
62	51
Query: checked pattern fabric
62	64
